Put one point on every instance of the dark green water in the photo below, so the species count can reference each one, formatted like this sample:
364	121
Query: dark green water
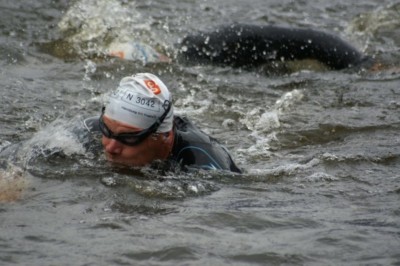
320	150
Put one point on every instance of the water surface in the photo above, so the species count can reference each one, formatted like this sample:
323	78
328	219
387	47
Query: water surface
320	149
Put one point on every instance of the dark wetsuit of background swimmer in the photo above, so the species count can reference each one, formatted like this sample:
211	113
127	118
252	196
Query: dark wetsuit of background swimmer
241	45
192	147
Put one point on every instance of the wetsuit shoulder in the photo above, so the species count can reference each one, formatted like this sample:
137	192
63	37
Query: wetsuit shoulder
193	148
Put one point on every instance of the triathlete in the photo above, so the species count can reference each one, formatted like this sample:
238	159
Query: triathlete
138	127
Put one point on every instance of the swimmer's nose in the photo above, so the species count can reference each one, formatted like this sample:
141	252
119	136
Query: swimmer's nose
112	146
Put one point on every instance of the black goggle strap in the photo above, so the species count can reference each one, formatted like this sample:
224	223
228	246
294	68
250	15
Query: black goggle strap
167	106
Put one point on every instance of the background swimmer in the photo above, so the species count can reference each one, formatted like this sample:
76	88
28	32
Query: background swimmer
242	45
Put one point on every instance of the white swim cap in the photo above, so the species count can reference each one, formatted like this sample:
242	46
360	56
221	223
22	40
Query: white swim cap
139	101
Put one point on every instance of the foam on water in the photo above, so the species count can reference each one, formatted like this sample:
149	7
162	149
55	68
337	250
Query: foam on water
264	124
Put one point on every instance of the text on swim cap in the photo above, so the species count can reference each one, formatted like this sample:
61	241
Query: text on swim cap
137	100
139	113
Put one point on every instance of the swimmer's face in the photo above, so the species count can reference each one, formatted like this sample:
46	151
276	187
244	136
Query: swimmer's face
154	147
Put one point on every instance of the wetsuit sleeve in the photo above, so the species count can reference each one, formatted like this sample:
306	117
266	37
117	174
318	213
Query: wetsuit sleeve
195	149
209	157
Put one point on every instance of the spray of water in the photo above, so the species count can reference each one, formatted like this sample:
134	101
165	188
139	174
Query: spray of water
264	124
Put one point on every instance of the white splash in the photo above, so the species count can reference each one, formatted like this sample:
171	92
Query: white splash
266	121
55	137
264	125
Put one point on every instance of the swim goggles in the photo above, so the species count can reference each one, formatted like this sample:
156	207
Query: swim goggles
133	138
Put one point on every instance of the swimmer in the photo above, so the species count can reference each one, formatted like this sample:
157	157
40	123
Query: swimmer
242	45
138	126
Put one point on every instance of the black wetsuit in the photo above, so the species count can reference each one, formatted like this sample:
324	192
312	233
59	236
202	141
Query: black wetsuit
251	45
192	147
